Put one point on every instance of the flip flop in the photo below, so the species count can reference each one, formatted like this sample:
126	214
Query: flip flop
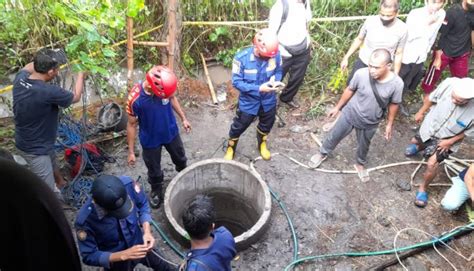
421	199
412	150
362	174
316	160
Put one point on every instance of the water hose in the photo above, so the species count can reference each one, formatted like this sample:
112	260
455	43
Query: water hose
290	223
445	237
167	240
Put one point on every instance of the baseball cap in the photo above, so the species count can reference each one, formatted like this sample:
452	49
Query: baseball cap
464	88
109	193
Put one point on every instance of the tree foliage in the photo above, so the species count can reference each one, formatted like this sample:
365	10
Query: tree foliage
85	28
88	28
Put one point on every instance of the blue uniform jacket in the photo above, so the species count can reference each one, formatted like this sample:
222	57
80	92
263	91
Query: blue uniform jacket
216	257
248	73
98	235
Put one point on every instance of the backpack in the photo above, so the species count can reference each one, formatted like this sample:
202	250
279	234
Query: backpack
284	16
297	49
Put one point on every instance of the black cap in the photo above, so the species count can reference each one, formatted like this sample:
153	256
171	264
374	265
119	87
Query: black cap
109	193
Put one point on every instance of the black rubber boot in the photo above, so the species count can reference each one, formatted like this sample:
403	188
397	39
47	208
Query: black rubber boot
156	193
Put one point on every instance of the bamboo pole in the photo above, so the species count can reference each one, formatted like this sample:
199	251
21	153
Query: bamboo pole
463	162
316	139
151	43
129	51
209	81
412	176
172	7
347	171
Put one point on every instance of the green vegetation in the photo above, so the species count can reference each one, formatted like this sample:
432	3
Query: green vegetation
81	27
87	28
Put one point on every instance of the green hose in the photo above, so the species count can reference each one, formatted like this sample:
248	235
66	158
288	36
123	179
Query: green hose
277	199
290	223
167	240
382	252
297	261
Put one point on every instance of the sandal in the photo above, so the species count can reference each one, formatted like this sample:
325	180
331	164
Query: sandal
316	160
362	174
421	199
412	150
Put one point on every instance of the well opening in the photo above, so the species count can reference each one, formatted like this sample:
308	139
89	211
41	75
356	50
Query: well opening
241	199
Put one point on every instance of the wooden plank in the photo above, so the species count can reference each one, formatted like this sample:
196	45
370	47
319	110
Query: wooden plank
107	136
172	7
152	43
209	81
129	52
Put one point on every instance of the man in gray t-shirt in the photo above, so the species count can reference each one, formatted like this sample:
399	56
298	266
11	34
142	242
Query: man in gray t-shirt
384	30
449	120
362	111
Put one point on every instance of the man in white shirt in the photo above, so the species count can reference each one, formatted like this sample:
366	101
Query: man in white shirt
382	31
423	26
290	19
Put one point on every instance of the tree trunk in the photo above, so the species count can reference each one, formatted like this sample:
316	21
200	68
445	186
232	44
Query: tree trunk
173	24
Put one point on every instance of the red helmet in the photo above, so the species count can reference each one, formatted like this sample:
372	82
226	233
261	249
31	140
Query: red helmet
266	43
162	81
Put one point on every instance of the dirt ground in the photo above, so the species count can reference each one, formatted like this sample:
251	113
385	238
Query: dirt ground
331	212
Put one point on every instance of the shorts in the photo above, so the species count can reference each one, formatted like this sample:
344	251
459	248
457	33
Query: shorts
430	147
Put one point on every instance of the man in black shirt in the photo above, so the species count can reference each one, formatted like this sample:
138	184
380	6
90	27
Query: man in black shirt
35	107
454	45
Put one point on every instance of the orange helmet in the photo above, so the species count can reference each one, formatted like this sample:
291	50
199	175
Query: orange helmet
266	43
162	81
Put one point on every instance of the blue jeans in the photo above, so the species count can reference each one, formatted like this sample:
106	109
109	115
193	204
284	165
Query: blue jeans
456	195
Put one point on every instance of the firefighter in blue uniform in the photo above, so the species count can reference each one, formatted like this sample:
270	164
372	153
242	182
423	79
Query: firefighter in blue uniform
108	226
211	249
256	73
150	109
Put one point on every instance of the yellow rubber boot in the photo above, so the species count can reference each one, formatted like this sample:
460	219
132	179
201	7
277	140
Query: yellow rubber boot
262	145
231	145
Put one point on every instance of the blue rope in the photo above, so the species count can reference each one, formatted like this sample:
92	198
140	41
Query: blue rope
72	133
76	193
69	133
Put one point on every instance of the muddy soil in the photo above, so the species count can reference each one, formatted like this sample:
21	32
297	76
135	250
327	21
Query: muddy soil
331	212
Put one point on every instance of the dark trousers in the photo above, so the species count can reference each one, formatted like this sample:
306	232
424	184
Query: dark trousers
151	260
296	67
411	74
152	159
358	64
243	120
341	129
